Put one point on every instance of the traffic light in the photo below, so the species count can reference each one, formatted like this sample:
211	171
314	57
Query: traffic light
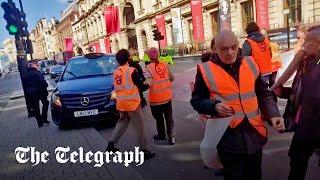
157	35
23	24
11	15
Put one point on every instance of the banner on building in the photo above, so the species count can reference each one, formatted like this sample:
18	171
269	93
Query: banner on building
176	26
262	14
161	24
68	44
111	15
197	20
224	15
107	44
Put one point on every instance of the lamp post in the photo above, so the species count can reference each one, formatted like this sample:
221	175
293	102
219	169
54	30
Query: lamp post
286	12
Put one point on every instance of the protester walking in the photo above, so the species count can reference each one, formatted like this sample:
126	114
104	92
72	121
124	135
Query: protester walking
127	85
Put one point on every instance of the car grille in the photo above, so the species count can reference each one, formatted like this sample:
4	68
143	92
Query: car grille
74	101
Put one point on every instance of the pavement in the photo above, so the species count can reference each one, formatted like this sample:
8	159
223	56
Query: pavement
16	130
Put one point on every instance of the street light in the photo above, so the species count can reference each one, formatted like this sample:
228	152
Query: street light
286	12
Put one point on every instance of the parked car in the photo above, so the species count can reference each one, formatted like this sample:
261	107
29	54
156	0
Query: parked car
45	66
55	71
83	92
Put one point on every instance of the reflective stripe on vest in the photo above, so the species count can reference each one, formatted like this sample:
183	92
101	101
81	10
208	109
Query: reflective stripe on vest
127	94
160	88
260	51
242	99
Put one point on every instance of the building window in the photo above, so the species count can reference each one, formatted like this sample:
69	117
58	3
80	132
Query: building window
141	4
295	10
247	13
215	22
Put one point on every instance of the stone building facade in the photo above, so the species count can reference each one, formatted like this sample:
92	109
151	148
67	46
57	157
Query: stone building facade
137	20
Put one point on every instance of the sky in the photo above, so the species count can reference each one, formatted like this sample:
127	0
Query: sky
35	10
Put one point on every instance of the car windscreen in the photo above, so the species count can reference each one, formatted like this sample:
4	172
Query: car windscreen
83	67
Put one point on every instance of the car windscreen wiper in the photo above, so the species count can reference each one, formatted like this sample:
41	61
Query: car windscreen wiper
69	72
94	75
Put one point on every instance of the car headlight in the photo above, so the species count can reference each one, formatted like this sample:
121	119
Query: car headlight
56	100
113	95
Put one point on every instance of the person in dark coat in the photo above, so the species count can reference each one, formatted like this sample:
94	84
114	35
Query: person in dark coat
36	89
306	138
240	148
136	65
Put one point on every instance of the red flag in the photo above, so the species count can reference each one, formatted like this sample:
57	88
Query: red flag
107	44
68	44
197	20
160	22
262	14
111	15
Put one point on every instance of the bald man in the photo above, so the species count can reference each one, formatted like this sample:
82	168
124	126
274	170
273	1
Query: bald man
307	134
231	85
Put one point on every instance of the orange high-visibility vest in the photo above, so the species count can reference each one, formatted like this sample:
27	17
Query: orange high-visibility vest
261	54
241	98
276	60
160	89
127	93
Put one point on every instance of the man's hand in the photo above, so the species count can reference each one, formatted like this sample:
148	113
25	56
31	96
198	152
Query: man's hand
224	110
278	123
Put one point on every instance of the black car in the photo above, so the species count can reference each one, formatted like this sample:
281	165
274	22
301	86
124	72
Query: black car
56	71
83	93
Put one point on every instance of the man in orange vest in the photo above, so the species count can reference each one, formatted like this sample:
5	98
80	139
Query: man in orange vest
127	84
231	85
160	95
258	46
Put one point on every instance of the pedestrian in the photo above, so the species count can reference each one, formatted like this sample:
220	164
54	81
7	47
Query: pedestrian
301	33
136	65
127	85
306	138
160	95
36	90
28	98
258	46
231	85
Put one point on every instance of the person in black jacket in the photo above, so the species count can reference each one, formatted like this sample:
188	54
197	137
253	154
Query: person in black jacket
136	65
240	148
36	89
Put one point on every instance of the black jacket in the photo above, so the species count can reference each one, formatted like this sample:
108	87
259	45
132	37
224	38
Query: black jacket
35	82
244	138
309	123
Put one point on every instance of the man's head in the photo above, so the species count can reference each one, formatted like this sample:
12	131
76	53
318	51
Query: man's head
153	54
227	46
34	64
252	27
122	56
312	42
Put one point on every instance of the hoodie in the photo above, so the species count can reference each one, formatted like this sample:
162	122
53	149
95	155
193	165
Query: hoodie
257	37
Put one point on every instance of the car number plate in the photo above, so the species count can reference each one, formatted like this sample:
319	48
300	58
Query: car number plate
86	113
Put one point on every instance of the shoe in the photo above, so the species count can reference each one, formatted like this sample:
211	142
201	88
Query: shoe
111	147
171	141
46	121
218	172
40	125
148	154
159	138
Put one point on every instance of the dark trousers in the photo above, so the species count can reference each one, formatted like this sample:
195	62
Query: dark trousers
163	113
36	109
301	150
28	99
241	166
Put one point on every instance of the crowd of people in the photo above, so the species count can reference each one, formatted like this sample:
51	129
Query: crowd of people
230	82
